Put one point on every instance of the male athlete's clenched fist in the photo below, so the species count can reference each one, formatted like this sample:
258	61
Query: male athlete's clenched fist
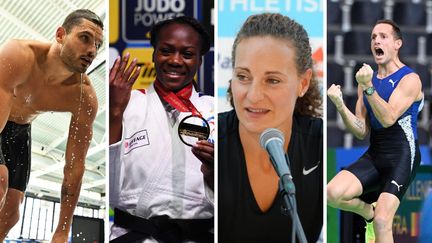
364	76
335	95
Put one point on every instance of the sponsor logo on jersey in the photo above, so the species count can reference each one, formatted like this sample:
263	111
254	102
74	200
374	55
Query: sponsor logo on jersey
396	184
137	140
308	171
393	82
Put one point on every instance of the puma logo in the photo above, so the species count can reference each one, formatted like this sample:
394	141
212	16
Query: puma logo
395	183
393	82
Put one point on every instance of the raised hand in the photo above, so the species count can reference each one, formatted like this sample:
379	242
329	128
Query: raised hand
121	80
335	95
364	76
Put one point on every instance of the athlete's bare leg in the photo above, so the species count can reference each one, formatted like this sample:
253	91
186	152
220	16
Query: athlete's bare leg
4	181
9	214
343	192
385	210
5	107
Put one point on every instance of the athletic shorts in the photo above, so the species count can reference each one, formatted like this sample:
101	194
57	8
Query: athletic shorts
15	152
390	163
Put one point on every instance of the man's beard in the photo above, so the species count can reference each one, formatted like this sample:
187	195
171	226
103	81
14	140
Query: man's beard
67	59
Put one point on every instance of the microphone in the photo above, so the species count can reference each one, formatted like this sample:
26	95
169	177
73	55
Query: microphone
272	140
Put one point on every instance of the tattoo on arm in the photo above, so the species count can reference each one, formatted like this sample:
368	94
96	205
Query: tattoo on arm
359	123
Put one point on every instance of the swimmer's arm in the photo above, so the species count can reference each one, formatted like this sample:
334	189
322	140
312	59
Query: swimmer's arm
404	95
80	136
357	123
12	73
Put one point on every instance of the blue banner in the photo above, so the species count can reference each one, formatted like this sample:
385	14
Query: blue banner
309	13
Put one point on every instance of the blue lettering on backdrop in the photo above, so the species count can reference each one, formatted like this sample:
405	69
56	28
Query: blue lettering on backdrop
224	62
309	13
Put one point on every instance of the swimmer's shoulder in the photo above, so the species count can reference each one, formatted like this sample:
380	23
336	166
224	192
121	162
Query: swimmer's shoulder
18	58
24	53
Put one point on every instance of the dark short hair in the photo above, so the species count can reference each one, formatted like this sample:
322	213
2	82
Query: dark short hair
192	22
75	18
396	30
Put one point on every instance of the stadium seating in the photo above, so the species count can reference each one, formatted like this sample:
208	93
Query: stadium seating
410	13
367	12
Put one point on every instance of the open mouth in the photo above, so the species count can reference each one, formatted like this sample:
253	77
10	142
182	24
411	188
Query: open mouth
86	60
379	52
173	73
257	110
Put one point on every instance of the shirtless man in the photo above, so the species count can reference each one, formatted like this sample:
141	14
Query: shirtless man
36	77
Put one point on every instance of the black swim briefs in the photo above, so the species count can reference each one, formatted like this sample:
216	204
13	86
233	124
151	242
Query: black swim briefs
15	152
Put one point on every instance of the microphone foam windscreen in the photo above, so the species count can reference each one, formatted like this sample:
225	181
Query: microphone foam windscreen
270	134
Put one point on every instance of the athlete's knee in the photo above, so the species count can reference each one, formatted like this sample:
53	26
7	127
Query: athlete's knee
11	215
15	213
14	217
11	221
3	190
382	222
334	195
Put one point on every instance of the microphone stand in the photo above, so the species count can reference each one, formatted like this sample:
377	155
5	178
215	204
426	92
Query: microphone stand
287	191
